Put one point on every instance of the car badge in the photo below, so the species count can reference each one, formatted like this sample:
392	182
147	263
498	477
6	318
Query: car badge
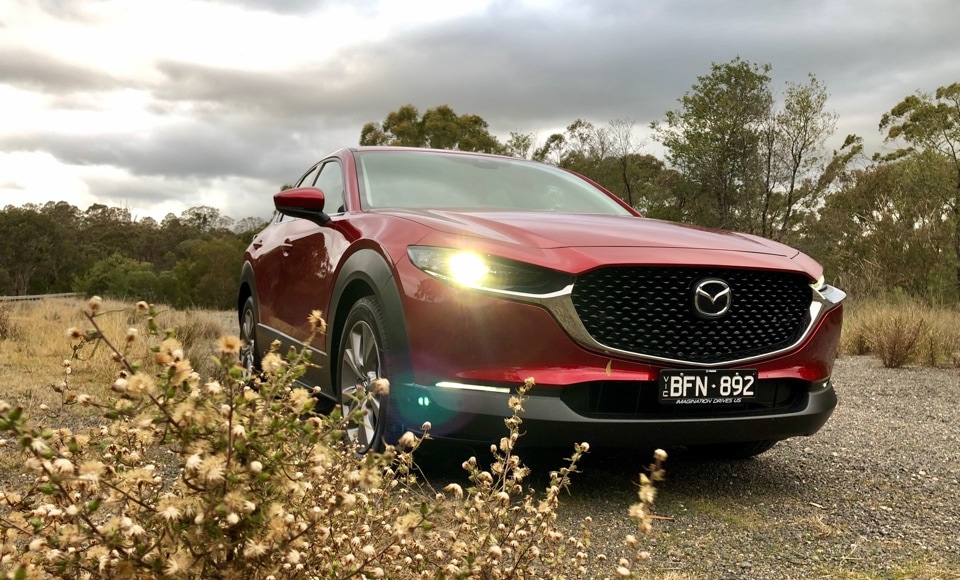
712	298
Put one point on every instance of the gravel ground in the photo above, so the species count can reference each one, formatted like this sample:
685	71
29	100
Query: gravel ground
874	494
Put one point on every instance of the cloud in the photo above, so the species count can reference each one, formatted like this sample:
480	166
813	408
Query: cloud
249	111
295	7
35	70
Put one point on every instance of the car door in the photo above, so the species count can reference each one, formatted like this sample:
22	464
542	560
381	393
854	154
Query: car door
308	260
267	252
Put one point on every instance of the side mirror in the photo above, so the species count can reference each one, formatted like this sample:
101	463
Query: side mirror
302	202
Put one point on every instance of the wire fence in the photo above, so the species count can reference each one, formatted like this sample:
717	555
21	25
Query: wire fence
34	297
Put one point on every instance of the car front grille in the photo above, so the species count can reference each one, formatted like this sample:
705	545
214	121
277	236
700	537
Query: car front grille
650	311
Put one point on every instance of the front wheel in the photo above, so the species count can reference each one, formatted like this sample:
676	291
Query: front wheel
249	356
363	359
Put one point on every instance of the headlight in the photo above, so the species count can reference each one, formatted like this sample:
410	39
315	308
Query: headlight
819	284
486	272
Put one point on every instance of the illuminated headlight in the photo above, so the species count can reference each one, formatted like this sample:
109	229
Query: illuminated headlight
486	272
819	284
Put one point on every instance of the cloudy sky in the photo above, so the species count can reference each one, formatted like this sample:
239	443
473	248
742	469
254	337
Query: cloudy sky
162	105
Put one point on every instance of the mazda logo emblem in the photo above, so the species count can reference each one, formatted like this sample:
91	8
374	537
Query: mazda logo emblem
712	298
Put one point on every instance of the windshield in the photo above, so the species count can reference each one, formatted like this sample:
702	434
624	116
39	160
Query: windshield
433	180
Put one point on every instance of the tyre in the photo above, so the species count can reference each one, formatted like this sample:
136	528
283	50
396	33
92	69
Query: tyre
742	450
363	357
249	355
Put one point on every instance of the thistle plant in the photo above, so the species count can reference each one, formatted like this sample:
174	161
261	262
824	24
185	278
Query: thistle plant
236	476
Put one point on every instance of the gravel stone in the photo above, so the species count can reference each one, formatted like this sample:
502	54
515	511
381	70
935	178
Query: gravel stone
874	494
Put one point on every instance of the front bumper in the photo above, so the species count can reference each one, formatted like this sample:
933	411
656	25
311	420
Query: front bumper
477	416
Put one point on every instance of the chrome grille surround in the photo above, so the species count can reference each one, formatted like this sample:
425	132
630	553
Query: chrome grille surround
651	311
820	299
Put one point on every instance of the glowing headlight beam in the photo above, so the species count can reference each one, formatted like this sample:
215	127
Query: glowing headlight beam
468	269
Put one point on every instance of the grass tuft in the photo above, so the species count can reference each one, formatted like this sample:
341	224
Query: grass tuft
901	332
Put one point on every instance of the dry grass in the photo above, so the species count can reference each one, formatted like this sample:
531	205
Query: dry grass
901	332
36	344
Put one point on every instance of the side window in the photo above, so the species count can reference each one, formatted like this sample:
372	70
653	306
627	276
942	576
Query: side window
308	179
330	183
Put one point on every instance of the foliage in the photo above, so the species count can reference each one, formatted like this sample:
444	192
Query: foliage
235	477
892	332
747	165
120	277
191	260
36	252
901	330
930	125
612	156
736	157
438	128
8	328
888	231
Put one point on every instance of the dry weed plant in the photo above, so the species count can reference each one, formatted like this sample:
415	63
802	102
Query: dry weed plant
236	477
8	328
902	332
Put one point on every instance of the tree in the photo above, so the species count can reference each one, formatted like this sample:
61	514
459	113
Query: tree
35	251
930	124
440	128
797	171
120	277
209	271
625	148
714	140
582	147
611	155
746	162
204	218
520	144
475	136
885	231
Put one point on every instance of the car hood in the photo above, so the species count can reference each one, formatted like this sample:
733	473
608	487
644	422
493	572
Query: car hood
546	230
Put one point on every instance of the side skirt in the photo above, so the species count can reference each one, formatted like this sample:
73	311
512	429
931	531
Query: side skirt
318	373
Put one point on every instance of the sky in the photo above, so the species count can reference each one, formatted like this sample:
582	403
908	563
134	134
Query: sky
162	105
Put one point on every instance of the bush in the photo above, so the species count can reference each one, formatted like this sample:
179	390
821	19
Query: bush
235	477
896	337
901	330
8	328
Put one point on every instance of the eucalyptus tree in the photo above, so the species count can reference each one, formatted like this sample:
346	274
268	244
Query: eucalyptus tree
439	128
747	161
715	141
929	124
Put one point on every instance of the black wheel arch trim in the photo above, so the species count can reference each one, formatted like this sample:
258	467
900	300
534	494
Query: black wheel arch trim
247	279
367	272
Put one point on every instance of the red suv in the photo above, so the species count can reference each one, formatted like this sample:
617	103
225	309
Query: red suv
458	275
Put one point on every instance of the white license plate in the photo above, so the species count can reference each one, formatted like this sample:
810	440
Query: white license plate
707	387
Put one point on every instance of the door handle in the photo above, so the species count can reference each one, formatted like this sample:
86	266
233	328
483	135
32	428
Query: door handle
287	246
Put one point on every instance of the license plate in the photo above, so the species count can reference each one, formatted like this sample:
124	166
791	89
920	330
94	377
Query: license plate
707	387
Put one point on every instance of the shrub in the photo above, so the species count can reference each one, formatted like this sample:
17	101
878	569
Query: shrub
892	332
8	328
900	330
896	338
235	477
